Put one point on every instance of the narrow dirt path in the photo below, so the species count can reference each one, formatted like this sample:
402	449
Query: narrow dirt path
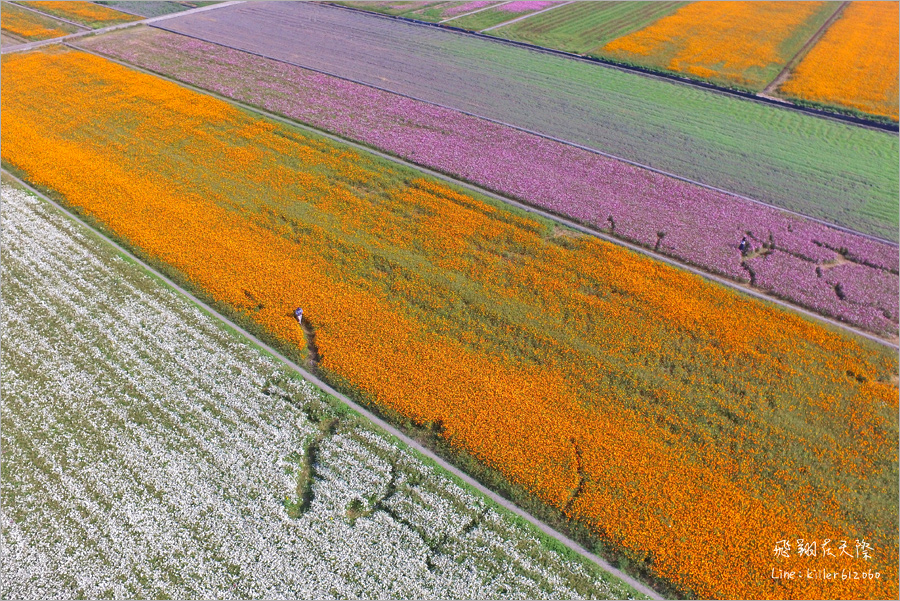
779	79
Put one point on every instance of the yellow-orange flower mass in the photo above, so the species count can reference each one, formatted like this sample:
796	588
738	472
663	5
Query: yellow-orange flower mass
855	64
675	419
31	26
88	13
731	43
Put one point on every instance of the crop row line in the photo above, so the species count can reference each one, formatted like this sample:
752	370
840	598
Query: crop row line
646	72
380	423
566	222
519	128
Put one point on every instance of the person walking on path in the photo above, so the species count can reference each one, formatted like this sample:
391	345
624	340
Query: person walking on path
743	246
298	313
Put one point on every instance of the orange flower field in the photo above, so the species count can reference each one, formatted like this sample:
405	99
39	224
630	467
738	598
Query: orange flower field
31	26
679	421
88	13
745	44
855	64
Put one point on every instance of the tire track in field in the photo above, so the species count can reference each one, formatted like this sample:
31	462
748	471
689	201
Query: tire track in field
377	421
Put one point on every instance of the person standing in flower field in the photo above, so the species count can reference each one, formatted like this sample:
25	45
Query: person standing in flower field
298	313
743	246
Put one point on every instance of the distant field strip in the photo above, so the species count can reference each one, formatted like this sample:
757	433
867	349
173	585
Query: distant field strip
394	8
87	13
829	170
148	453
646	406
149	8
581	27
448	10
855	64
508	11
686	222
741	44
31	26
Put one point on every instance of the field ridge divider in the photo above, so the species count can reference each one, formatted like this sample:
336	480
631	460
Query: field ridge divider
628	68
374	419
516	127
559	219
804	50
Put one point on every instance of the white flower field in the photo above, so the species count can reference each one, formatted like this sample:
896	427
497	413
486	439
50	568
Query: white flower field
149	452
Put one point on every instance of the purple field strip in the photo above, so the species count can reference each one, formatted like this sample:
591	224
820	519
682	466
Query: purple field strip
850	292
686	222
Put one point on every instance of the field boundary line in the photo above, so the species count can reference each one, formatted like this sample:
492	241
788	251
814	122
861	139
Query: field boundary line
628	68
529	131
475	11
559	219
522	18
779	79
49	16
63	39
129	12
18	38
384	425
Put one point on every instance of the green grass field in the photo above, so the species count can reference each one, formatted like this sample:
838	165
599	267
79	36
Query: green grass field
584	26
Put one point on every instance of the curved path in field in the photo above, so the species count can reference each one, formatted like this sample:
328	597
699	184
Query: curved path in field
638	586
